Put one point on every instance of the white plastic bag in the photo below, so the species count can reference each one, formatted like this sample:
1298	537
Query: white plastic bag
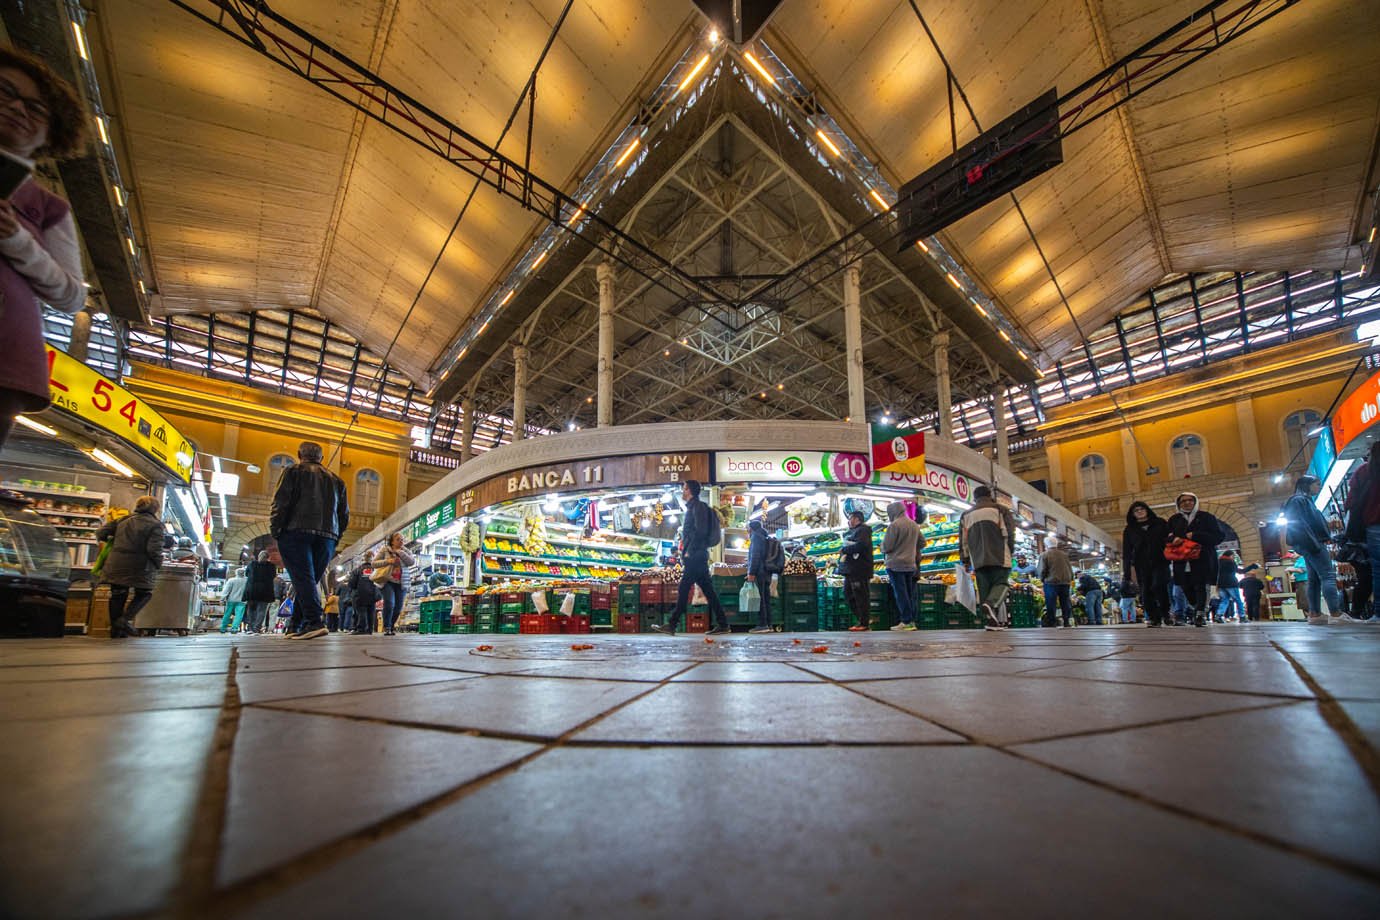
697	598
776	586
568	604
964	593
539	602
749	598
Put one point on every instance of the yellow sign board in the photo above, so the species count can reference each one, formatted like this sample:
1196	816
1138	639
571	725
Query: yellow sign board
80	391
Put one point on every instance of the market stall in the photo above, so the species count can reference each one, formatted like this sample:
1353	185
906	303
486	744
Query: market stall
587	521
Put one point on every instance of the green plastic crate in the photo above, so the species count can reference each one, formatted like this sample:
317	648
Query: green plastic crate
485	622
601	618
807	621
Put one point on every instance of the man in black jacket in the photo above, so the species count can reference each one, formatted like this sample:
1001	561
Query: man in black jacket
695	535
759	574
1308	535
309	514
855	565
1143	565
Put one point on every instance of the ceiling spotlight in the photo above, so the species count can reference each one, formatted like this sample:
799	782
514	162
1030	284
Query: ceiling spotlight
781	386
1277	478
763	394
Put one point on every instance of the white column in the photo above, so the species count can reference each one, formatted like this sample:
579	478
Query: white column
999	420
81	336
604	407
1056	471
519	391
1131	458
1250	437
466	428
941	373
852	334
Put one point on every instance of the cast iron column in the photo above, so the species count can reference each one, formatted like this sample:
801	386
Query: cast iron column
467	429
81	336
519	391
604	414
852	332
999	419
941	374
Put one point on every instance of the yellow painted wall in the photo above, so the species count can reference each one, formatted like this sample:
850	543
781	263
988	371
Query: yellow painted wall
1272	408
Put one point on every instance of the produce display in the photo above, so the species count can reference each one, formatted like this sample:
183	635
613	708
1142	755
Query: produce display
527	549
800	566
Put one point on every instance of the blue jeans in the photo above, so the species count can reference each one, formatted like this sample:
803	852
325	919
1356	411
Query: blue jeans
1322	580
306	556
1128	610
1092	606
903	591
1057	595
392	602
1231	602
1179	603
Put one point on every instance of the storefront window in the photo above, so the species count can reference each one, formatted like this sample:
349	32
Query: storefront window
1296	428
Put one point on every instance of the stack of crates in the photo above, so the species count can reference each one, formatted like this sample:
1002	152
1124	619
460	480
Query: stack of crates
834	615
485	612
628	599
601	607
930	606
1023	608
881	609
799	603
651	603
462	614
575	624
434	617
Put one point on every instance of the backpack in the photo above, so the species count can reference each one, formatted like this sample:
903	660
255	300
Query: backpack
715	533
774	558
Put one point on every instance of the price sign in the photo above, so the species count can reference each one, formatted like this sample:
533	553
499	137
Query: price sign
80	391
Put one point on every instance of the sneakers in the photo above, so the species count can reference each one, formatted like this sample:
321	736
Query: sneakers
1372	619
316	633
857	629
993	624
1152	626
1320	620
1345	618
1199	620
903	627
667	630
719	631
760	629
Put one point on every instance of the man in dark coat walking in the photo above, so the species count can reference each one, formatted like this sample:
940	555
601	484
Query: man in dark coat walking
309	514
258	593
855	565
1143	565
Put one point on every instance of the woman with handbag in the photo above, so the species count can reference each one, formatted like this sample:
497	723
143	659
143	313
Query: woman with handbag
390	574
1193	538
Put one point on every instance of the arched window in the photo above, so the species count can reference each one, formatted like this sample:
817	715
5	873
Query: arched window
1092	477
367	483
277	465
1296	428
1187	456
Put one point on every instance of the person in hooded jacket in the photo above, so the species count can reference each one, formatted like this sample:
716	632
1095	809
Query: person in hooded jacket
364	597
1229	589
855	565
757	574
986	540
901	544
1143	565
1195	576
258	593
1307	534
1252	587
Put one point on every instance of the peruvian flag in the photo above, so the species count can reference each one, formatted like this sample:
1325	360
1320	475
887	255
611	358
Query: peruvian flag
897	450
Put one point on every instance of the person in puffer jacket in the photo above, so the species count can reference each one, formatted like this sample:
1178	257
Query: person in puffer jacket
1195	576
901	545
1308	535
986	540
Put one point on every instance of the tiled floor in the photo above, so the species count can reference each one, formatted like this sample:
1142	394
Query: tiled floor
1229	771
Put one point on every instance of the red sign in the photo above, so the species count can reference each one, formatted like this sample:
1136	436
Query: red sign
1356	413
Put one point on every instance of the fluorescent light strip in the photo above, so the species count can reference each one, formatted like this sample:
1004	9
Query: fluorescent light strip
81	40
877	197
36	426
757	66
824	139
694	72
100	127
111	462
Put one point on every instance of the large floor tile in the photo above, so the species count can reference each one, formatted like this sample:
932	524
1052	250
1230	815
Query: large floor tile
107	669
746	713
354	774
1312	794
96	810
873	669
806	833
514	705
59	698
258	687
1265	676
1000	709
744	671
1366	717
1345	676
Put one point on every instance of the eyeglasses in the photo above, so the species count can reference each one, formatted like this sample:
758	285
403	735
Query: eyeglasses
36	110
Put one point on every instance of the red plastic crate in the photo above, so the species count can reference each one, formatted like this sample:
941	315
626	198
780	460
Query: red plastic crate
550	622
458	618
651	592
529	623
629	622
511	597
697	622
600	600
577	624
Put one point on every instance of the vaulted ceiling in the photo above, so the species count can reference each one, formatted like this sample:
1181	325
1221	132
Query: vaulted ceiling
254	190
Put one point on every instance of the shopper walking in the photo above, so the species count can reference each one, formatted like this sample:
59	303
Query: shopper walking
232	597
1307	534
1252	588
855	565
1142	561
395	557
1363	501
1056	574
700	529
309	514
1128	601
1229	589
761	546
40	261
986	541
901	545
364	597
258	592
136	555
1091	589
1195	575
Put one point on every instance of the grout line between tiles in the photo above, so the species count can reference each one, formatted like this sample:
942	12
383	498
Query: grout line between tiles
226	901
1337	719
200	855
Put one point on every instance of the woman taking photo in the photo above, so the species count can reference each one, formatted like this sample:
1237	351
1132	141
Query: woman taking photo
394	588
40	116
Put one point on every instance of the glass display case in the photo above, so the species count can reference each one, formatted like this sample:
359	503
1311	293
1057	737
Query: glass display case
34	569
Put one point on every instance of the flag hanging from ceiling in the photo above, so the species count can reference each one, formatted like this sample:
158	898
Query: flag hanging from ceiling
898	450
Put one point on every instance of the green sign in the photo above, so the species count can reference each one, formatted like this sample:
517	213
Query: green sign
442	516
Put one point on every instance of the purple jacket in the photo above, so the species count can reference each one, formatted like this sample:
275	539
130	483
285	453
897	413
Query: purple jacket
23	360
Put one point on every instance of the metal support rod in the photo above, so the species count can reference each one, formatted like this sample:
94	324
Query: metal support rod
1003	454
604	407
249	347
321	359
1198	315
942	386
466	428
852	326
287	351
1125	349
519	391
1241	306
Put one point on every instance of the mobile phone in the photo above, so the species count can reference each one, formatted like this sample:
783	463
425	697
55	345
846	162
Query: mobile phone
13	171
